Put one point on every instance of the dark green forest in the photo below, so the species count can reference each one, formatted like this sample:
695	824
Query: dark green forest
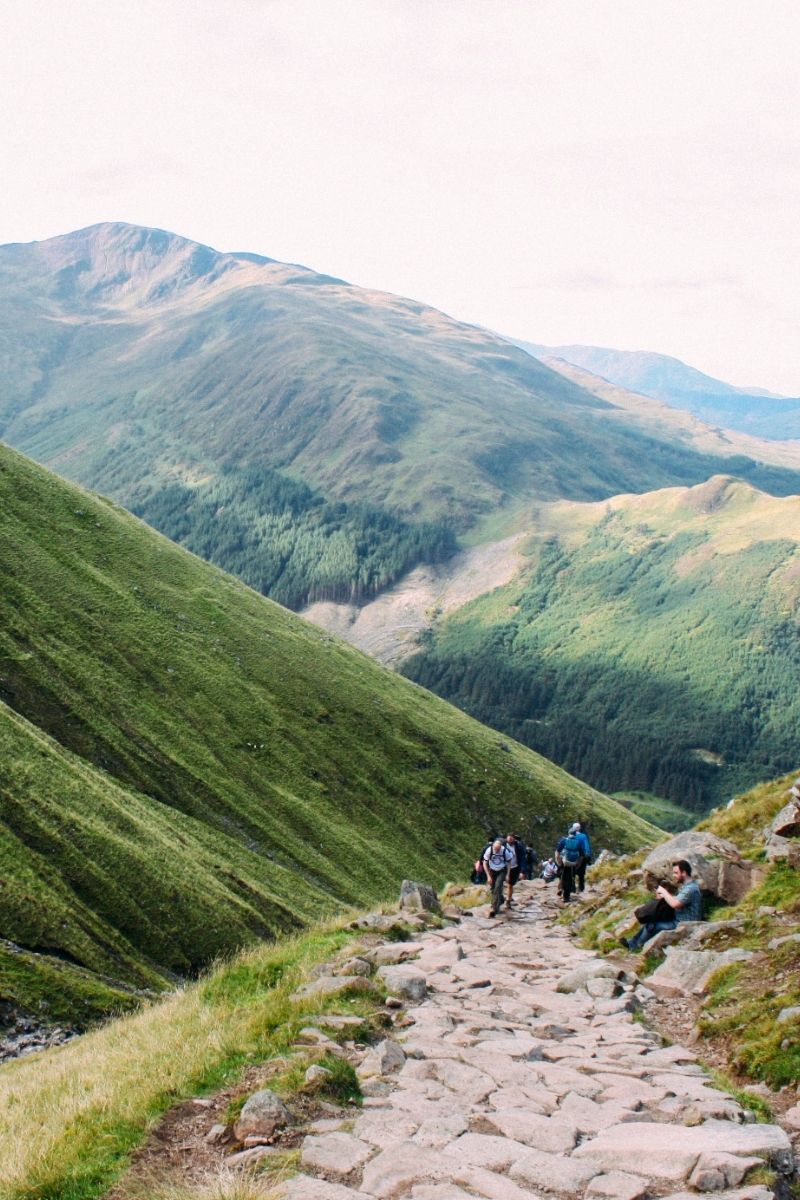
631	676
286	540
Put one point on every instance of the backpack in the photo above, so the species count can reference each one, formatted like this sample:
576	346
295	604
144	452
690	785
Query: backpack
571	851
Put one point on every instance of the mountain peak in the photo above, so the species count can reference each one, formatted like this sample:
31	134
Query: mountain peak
120	264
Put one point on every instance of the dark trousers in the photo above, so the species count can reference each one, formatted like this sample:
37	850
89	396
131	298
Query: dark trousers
580	874
497	889
567	880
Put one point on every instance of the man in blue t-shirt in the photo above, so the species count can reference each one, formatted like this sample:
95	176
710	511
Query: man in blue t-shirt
687	904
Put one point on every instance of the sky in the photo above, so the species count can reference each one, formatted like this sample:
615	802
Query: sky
622	173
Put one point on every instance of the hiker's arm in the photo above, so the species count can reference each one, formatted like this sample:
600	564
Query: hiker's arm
672	901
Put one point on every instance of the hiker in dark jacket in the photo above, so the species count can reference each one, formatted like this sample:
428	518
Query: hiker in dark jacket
568	857
586	857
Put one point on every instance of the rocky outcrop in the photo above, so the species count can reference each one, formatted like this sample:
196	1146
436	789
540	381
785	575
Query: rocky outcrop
717	865
689	971
418	897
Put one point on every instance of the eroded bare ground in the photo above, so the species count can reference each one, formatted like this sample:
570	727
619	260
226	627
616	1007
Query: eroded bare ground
521	1071
388	628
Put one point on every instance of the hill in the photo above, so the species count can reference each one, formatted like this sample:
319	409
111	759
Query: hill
649	643
187	767
749	410
318	439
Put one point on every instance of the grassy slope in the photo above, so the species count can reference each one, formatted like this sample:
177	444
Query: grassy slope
186	766
739	1013
646	630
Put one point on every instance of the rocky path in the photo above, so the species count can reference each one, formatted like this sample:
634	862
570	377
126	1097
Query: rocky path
519	1070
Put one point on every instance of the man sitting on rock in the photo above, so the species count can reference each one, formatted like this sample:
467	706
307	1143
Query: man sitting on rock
687	904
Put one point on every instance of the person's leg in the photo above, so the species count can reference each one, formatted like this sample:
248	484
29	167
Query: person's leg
580	874
497	891
567	881
513	876
647	932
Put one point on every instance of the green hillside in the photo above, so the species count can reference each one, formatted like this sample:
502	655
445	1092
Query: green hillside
651	645
316	438
186	766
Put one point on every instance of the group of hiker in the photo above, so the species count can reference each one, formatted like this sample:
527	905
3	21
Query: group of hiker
503	861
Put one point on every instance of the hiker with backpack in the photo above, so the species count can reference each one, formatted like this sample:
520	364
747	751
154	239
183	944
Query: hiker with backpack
517	866
569	852
586	856
497	859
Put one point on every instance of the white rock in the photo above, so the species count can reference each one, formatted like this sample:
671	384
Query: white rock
334	1154
552	1172
618	1185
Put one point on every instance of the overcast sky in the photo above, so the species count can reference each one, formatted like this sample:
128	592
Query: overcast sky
615	172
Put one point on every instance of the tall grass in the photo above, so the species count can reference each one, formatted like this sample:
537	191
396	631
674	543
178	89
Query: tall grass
70	1118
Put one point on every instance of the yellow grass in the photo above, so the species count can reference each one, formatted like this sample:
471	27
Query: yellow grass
69	1116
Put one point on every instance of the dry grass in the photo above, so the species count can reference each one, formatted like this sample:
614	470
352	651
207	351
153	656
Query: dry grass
83	1107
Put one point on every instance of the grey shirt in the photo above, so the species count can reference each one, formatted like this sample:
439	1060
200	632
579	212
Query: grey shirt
691	899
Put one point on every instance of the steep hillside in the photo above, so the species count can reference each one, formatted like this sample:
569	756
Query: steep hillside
752	411
318	439
650	643
186	766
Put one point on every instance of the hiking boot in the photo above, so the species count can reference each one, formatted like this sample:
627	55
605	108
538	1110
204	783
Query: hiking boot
624	942
492	913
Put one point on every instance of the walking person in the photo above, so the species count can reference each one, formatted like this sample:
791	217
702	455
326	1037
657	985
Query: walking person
568	855
497	858
516	865
586	856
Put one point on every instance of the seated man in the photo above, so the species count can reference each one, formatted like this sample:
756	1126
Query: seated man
687	904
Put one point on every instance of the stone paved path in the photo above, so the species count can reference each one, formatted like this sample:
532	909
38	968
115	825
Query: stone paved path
523	1073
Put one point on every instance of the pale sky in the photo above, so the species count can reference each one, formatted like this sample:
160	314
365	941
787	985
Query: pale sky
613	172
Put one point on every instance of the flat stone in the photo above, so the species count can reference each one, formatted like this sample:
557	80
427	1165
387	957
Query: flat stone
395	1171
334	1154
625	1147
250	1157
438	1132
529	1049
588	1116
756	1191
552	1172
554	1135
618	1185
484	1150
306	1187
439	1191
384	1128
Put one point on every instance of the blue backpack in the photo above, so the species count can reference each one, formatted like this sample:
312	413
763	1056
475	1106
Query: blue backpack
571	854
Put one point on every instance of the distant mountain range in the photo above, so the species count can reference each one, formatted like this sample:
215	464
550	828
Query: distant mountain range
374	463
750	410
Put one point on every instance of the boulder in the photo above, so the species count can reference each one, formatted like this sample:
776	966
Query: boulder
781	849
716	865
328	985
381	1060
262	1114
787	823
788	1014
593	969
395	952
316	1076
684	971
405	982
418	897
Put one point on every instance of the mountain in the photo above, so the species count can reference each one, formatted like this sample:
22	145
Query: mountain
319	439
187	767
647	642
749	410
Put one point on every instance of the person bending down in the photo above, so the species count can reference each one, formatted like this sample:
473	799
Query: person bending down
687	904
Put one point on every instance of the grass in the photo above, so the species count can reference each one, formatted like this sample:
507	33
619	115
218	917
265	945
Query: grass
663	813
186	767
93	1101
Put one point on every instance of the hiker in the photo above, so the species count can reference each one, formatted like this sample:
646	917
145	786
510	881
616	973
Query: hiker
686	905
516	865
497	858
568	856
586	856
549	870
